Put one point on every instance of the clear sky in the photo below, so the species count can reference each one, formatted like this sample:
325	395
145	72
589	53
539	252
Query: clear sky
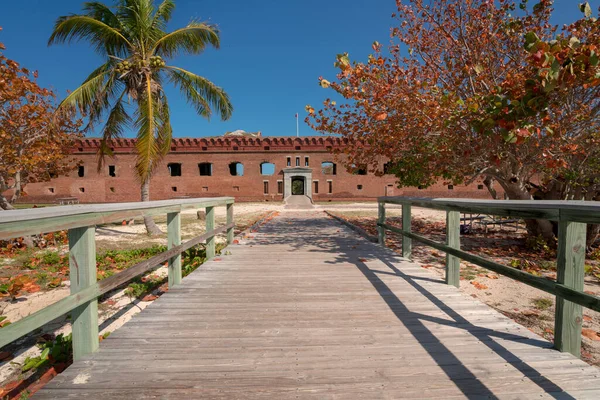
272	53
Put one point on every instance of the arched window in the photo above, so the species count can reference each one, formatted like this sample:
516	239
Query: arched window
358	170
267	168
174	169
236	169
387	168
328	168
205	169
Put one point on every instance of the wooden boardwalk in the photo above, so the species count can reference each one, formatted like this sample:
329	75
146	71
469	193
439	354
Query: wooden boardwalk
307	309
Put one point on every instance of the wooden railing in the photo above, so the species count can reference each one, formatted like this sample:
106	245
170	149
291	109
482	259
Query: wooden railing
572	217
81	223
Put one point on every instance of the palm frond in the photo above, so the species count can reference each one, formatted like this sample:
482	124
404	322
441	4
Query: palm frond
84	96
105	38
164	131
201	93
163	14
103	96
118	119
191	39
148	151
102	13
137	17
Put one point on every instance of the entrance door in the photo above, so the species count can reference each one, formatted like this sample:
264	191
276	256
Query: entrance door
297	186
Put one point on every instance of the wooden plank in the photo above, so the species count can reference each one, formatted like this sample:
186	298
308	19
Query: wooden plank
570	273
453	241
508	208
230	232
16	223
298	312
406	227
82	266
210	225
381	220
174	239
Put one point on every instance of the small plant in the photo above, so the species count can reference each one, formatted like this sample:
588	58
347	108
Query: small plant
537	243
196	256
3	321
142	286
59	350
547	265
542	303
51	258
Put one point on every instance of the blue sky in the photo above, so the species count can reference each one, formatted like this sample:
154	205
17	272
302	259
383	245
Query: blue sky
272	53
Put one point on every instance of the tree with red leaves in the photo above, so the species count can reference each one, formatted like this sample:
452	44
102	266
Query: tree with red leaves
35	142
476	89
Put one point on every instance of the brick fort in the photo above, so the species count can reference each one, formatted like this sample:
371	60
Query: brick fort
248	166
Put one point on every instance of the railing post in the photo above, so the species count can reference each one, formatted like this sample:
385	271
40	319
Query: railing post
381	220
453	240
210	225
406	241
174	239
230	221
569	272
82	267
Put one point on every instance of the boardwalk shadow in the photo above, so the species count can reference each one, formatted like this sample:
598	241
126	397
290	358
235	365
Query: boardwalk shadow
347	247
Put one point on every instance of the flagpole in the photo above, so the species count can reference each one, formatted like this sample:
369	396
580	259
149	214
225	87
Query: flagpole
297	127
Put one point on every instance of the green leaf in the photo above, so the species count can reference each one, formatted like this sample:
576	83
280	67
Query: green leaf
489	123
550	86
594	59
574	42
585	9
510	138
45	353
530	40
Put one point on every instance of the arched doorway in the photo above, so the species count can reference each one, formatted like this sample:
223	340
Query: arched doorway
298	186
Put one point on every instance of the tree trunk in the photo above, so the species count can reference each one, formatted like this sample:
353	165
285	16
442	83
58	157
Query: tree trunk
489	184
516	190
5	204
151	226
17	188
591	235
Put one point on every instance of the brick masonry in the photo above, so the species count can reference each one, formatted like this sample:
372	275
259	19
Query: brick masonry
98	187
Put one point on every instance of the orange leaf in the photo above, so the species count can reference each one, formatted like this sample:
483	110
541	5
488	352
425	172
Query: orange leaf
590	334
478	285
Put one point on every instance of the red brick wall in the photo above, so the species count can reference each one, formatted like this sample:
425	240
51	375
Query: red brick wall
100	187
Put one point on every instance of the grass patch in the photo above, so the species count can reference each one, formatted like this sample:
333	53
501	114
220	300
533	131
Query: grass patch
542	303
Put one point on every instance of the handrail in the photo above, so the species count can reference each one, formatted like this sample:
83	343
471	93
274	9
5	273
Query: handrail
572	217
85	289
25	222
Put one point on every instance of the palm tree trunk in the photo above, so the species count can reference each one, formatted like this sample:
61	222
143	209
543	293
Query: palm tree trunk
151	226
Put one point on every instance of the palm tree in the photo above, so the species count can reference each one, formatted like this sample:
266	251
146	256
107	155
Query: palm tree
127	90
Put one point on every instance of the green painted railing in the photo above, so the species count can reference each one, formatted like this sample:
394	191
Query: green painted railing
572	217
81	221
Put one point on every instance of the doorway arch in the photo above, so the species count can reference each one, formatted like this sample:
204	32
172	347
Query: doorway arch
298	186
